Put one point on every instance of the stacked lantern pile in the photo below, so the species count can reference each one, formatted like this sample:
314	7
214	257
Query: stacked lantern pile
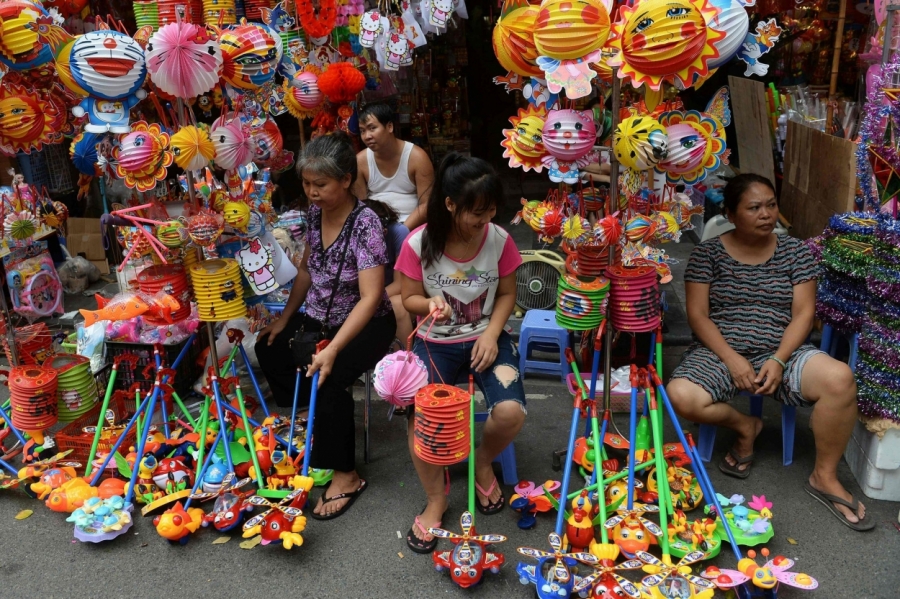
581	302
76	391
442	433
634	298
190	258
32	397
146	14
34	343
214	9
218	290
591	260
251	9
169	279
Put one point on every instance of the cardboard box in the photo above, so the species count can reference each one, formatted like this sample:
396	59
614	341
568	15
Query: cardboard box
86	238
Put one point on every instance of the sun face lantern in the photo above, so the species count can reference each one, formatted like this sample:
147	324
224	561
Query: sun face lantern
231	142
640	142
524	143
513	40
21	46
143	156
569	134
662	40
302	95
570	29
250	55
696	146
183	59
192	148
28	119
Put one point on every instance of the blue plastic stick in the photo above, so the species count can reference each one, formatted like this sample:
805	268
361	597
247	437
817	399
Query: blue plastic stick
9	423
9	468
632	449
294	414
223	425
206	464
313	393
236	412
567	471
259	393
142	440
162	404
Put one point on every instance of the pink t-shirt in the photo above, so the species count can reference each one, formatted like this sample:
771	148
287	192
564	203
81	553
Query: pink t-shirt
468	286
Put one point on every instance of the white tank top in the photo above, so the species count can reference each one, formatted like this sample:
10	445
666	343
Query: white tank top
398	191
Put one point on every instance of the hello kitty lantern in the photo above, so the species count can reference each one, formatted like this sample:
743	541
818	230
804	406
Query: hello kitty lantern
568	137
370	27
397	51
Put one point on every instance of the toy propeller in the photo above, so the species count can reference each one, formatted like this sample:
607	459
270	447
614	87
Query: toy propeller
635	514
560	570
466	522
281	506
607	569
110	418
229	485
39	467
664	570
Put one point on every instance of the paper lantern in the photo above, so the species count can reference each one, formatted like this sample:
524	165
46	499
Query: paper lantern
184	60
231	142
192	148
570	29
302	95
250	55
108	64
143	156
640	142
62	61
513	41
569	134
662	40
236	214
696	146
399	376
66	8
83	152
734	22
21	46
524	143
29	119
341	82
266	142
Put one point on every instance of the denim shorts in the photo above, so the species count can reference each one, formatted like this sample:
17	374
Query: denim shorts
501	381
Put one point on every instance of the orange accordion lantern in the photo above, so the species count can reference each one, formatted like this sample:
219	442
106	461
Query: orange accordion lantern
442	432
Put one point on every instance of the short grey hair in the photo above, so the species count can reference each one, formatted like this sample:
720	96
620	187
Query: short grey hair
330	155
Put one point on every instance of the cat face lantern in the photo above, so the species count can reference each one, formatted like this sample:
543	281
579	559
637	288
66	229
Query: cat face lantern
640	142
110	67
569	134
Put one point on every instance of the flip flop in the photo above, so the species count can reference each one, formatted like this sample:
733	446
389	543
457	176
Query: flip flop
829	501
416	544
491	508
352	496
734	471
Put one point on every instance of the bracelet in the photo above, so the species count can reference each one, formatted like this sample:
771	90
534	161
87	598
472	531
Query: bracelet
776	359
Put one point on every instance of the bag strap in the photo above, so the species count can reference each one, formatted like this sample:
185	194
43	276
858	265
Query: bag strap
337	279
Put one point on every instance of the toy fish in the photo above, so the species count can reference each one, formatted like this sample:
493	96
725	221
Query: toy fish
72	494
175	524
52	479
160	307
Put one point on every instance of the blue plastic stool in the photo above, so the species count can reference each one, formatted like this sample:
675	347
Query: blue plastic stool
829	345
539	329
788	423
507	457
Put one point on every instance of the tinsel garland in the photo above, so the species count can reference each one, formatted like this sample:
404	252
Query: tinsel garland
877	401
887	354
887	254
884	311
883	329
888	230
816	245
832	283
872	128
845	259
884	281
853	223
840	319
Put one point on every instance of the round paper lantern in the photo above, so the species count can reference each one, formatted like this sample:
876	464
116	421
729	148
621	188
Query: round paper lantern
62	60
143	156
250	55
192	148
524	143
266	143
734	22
665	39
231	143
341	82
66	8
28	118
696	146
108	64
569	134
570	29
183	60
640	142
302	95
21	46
513	41
237	214
83	152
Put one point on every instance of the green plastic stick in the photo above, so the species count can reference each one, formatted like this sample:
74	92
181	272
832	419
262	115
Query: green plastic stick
249	432
140	420
598	468
661	481
204	417
665	492
99	432
472	447
612	479
184	411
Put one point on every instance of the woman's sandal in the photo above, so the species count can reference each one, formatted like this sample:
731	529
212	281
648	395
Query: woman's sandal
491	508
418	545
828	501
735	470
351	496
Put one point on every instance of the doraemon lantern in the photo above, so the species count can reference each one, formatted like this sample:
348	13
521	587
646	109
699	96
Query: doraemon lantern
110	67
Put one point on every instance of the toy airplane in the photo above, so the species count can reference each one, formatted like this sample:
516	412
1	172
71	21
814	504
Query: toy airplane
631	528
283	521
230	505
766	577
552	577
468	560
675	581
604	583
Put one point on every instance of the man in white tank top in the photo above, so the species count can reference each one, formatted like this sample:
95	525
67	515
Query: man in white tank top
391	170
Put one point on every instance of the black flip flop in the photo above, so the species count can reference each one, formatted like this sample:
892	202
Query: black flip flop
352	496
491	508
829	501
416	544
734	470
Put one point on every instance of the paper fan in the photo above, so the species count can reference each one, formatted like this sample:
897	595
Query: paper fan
399	376
20	225
183	60
192	147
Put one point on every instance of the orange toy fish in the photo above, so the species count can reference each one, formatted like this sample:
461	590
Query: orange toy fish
72	494
160	306
175	524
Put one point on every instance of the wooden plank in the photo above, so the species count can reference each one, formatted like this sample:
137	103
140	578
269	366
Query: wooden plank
819	179
751	122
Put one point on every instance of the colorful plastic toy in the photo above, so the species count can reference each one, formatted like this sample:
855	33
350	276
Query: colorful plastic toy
283	521
579	524
230	505
699	535
766	577
51	474
72	494
102	520
176	524
631	529
751	524
552	576
675	580
468	560
604	583
530	499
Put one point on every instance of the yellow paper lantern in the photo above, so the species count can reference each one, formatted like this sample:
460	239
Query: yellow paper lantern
570	29
640	142
64	69
513	41
237	214
524	143
192	147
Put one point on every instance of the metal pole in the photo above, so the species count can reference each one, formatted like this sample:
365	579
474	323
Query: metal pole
836	60
10	336
614	204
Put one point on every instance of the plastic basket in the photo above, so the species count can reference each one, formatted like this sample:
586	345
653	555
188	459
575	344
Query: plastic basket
73	437
188	371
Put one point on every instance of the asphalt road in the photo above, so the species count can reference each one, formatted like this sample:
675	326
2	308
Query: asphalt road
362	553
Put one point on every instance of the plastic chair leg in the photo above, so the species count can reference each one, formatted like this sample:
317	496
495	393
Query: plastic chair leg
827	335
756	405
507	457
366	407
854	349
523	355
706	441
788	424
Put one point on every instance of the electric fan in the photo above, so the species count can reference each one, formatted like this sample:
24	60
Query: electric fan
537	279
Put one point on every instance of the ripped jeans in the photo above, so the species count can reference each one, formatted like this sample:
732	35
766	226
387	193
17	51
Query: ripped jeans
501	381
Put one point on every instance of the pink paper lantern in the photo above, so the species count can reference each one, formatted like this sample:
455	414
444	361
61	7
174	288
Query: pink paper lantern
184	60
569	134
232	143
399	376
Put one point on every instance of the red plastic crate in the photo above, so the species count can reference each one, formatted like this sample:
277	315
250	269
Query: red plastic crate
73	437
188	371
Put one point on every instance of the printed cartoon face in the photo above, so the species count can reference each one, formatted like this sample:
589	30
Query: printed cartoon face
250	55
443	5
20	118
528	137
309	95
108	64
687	148
567	29
371	21
398	44
640	142
569	134
253	260
231	144
267	142
673	28
139	152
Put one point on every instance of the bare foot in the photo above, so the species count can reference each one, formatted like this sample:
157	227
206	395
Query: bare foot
743	446
343	482
485	477
834	487
431	517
